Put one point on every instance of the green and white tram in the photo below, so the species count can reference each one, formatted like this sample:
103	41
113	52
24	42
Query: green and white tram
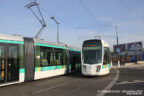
95	58
26	59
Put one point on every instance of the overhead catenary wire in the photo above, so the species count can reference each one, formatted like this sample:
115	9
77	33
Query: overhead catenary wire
89	12
40	19
69	25
57	17
128	8
51	15
31	1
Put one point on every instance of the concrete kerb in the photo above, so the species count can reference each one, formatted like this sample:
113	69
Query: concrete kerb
128	64
115	65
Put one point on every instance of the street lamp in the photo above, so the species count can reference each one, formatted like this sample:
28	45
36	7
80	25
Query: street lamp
57	28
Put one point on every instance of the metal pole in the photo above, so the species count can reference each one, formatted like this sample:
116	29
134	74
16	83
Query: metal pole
117	36
117	46
57	32
57	29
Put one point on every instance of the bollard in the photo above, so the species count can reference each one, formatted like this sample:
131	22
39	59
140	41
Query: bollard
118	64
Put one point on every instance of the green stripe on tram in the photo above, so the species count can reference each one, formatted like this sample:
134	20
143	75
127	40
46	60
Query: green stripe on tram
107	66
45	45
9	41
102	66
70	66
74	50
51	68
21	70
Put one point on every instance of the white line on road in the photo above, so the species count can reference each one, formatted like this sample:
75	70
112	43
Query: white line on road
109	86
135	81
123	82
49	88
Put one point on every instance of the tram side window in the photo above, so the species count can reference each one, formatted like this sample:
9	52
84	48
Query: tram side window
46	56
59	57
106	55
75	58
1	63
13	56
71	57
1	58
79	58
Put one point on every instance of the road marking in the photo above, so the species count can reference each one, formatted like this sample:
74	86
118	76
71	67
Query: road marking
123	82
135	81
49	88
77	89
109	86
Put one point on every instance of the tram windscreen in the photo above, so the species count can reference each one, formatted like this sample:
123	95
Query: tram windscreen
92	52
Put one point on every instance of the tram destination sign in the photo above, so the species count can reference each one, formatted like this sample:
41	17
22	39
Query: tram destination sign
92	43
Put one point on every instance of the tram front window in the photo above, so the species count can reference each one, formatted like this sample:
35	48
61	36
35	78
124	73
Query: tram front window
92	52
92	56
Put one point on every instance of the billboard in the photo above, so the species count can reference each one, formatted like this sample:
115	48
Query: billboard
135	48
122	48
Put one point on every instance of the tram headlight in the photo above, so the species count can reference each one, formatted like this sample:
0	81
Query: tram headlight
98	68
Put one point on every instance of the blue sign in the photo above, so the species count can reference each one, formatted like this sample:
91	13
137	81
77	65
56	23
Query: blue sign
118	50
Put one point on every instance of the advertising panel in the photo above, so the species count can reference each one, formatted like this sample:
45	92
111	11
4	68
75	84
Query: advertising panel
121	49
137	46
134	48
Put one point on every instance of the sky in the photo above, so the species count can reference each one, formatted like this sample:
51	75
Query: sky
79	20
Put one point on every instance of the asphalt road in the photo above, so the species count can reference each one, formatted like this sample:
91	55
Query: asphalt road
130	82
68	85
125	81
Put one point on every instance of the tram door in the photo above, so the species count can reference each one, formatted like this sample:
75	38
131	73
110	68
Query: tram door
12	63
2	64
9	69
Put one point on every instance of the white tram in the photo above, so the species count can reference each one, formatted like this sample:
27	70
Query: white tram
95	57
25	59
